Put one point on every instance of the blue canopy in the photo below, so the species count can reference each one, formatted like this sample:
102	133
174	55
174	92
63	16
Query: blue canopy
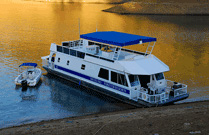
116	38
28	64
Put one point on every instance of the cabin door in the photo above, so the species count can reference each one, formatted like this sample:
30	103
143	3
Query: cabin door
135	86
144	80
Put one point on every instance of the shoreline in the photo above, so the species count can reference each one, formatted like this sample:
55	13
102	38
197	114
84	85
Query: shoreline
161	7
185	118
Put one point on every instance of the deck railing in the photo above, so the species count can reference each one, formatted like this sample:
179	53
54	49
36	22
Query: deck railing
143	95
153	98
76	53
179	91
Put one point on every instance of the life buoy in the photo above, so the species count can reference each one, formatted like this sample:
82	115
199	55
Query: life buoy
144	96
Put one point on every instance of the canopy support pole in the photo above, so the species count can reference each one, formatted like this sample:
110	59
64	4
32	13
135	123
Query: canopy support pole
149	49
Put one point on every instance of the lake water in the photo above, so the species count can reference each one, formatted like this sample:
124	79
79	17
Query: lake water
27	28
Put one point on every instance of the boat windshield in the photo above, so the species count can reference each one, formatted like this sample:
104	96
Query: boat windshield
159	76
134	81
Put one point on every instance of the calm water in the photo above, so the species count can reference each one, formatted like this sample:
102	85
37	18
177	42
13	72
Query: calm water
27	29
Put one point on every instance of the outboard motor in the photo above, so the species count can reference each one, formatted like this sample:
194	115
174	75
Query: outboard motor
24	84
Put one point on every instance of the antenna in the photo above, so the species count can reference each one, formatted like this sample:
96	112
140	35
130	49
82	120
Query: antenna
79	27
96	27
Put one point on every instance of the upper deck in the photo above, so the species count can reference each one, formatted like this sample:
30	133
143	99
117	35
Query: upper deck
97	50
108	45
130	61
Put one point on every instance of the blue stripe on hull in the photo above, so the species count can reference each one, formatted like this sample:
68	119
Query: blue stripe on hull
93	79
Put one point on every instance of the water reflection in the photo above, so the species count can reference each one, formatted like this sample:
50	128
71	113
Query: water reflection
80	100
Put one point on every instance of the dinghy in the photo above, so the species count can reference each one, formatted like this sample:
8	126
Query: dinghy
28	74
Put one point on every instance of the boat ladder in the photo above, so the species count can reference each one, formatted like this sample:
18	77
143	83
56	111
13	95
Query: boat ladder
149	48
116	53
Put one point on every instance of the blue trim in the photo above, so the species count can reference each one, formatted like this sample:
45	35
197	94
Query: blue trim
117	38
28	64
93	79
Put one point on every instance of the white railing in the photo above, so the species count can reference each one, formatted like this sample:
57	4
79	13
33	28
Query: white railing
143	94
76	44
154	98
178	91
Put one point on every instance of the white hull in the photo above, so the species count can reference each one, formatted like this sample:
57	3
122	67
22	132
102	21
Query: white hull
32	80
135	76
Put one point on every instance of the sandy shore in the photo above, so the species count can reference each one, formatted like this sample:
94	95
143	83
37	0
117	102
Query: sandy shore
162	7
181	119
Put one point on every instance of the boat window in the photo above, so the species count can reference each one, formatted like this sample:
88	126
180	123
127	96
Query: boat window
66	50
114	77
72	52
59	48
91	43
83	66
65	44
80	54
58	60
68	62
133	80
122	80
118	78
159	76
104	73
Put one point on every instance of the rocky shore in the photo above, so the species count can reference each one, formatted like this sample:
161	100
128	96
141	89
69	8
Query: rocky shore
180	119
162	7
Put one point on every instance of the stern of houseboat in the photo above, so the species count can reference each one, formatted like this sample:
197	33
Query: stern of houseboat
172	93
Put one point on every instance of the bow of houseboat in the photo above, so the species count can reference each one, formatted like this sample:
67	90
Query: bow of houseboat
98	61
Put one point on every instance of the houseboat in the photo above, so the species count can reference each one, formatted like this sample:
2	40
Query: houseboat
98	61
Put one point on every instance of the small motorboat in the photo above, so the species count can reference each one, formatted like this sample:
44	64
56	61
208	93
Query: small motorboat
28	74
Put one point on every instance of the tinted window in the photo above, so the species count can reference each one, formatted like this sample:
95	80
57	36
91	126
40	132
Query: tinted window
114	77
159	76
118	78
144	79
103	73
91	43
59	48
80	54
66	50
122	80
65	44
133	80
72	52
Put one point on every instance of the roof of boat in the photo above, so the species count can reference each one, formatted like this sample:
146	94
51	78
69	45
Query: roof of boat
117	38
29	64
144	65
